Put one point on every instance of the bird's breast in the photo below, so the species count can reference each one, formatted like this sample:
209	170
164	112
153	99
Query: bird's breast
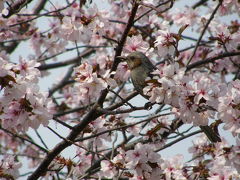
138	77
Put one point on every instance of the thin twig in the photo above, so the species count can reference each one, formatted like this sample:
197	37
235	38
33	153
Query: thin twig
117	95
62	123
41	139
121	127
212	59
40	15
178	140
71	49
72	110
204	30
24	139
85	53
161	4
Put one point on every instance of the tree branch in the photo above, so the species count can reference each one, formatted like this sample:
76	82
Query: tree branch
91	115
119	48
42	168
85	53
24	139
161	4
178	140
16	7
37	9
212	59
204	30
199	3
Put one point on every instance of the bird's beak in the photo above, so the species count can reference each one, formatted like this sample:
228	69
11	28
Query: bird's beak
122	58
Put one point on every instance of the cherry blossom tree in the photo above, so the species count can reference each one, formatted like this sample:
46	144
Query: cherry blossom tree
112	131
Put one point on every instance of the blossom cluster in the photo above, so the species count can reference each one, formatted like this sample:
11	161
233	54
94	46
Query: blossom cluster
144	163
223	163
196	97
9	168
140	163
91	83
22	104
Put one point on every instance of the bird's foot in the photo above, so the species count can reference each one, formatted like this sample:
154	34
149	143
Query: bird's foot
148	105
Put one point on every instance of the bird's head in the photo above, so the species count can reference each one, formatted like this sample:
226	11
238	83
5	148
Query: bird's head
134	59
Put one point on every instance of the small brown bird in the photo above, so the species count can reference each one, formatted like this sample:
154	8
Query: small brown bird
141	68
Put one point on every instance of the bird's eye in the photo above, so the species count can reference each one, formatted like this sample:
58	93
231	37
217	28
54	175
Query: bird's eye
131	57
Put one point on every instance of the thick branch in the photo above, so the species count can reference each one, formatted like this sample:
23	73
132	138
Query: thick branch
40	5
42	168
119	48
92	115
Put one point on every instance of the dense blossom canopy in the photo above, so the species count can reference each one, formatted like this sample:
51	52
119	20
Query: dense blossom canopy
113	134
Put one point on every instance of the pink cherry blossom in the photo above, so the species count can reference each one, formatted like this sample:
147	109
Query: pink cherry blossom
165	43
9	167
173	167
185	16
108	169
136	43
